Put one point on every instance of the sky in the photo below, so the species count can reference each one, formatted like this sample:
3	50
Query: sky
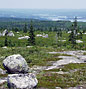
43	4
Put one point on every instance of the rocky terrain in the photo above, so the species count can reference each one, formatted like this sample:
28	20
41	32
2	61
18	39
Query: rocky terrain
18	75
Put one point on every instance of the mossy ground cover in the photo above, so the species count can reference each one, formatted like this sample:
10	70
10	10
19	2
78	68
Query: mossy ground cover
50	80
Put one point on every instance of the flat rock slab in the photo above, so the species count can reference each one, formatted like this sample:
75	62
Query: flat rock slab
73	53
64	61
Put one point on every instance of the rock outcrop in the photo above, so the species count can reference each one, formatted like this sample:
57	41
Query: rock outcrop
22	81
15	64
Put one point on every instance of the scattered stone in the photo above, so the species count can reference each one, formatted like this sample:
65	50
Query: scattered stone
58	88
62	40
17	32
44	35
39	35
61	72
79	41
69	31
22	81
29	46
84	33
5	32
2	71
3	80
24	37
78	87
0	34
15	64
5	47
10	34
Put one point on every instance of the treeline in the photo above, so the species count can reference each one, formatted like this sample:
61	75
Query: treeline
19	23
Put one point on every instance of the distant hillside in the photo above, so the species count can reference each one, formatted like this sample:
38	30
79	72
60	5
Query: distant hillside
42	14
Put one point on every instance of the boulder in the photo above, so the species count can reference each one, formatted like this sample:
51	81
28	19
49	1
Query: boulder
0	34
5	47
45	36
22	81
24	37
5	32
69	31
79	41
15	64
39	35
10	34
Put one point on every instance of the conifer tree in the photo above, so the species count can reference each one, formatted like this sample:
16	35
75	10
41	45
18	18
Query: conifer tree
6	42
25	28
75	29
80	36
72	36
31	40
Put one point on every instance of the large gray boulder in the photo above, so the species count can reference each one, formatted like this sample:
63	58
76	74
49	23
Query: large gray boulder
15	64
22	81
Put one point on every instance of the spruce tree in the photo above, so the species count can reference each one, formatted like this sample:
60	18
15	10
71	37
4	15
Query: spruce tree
75	28
80	36
6	42
31	40
72	37
25	28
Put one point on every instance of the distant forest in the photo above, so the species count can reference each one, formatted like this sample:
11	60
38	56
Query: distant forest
19	23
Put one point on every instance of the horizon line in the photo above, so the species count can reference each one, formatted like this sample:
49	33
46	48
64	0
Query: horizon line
48	8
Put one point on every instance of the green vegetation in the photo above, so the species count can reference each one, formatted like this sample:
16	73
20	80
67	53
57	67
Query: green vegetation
51	80
31	40
37	54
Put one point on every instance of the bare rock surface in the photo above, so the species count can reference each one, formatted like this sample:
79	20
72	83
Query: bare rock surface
76	57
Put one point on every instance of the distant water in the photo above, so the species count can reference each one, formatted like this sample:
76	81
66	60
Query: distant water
41	14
